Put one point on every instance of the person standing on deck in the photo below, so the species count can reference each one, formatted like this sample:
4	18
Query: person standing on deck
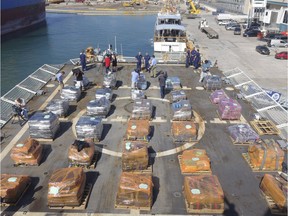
79	79
134	78
139	61
107	62
152	68
59	77
197	60
188	56
83	60
146	60
205	70
162	81
114	63
192	56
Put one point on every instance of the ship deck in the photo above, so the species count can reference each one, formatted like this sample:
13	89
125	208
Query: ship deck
239	183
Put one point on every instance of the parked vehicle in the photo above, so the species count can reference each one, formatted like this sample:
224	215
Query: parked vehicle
232	26
237	31
277	43
251	33
263	50
282	55
271	36
223	22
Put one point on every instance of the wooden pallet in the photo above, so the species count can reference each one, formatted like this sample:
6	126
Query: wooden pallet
43	139
149	171
275	210
202	211
191	173
85	166
4	204
143	208
132	138
241	143
84	202
256	169
265	127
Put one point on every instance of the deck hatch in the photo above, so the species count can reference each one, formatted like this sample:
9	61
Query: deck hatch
261	101
32	84
42	75
6	110
18	92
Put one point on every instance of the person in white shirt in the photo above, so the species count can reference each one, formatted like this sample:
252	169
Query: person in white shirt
153	67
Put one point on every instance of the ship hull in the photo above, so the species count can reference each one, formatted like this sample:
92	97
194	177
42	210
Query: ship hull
18	15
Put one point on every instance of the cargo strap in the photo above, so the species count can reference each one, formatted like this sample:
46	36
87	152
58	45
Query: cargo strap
265	155
270	142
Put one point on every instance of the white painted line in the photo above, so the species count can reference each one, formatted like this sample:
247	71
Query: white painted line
25	127
122	98
186	88
134	212
159	120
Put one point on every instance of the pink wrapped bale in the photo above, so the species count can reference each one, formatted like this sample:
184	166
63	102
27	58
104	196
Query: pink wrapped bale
229	109
217	96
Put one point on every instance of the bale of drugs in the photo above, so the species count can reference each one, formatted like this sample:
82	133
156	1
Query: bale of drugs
70	93
59	107
104	92
217	95
184	131
142	109
89	127
81	152
195	160
137	94
178	95
138	130
182	110
242	133
142	83
213	82
229	109
172	83
99	107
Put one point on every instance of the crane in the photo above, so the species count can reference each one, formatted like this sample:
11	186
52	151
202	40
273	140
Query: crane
193	9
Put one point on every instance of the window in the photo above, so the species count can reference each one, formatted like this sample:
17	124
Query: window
285	19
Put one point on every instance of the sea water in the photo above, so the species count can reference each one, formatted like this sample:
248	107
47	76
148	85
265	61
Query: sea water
63	38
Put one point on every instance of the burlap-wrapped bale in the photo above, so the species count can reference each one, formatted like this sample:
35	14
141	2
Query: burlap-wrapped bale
142	109
213	82
81	152
203	192
195	160
43	125
70	93
135	190
138	129
12	187
266	155
89	127
103	92
99	107
182	110
184	131
29	152
217	96
229	109
58	106
137	94
178	95
172	83
276	189
242	133
66	186
134	155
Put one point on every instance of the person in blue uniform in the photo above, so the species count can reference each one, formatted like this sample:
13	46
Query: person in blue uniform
188	58
139	61
146	60
197	60
83	60
192	56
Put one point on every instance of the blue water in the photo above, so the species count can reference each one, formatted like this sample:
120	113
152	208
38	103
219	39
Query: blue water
65	36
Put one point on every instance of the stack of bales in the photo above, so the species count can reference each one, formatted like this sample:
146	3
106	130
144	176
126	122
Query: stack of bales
184	131
213	82
182	110
242	133
104	92
172	83
138	130
137	94
70	93
89	127
229	109
99	107
178	95
110	80
217	96
58	106
142	109
142	83
81	152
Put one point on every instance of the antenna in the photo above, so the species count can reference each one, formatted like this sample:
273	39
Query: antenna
115	45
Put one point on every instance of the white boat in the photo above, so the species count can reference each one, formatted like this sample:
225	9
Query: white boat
169	37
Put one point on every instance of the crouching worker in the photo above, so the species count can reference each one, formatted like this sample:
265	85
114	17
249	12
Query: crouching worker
20	108
205	70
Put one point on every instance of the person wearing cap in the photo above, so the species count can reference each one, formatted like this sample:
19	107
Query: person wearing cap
139	61
83	60
146	60
134	78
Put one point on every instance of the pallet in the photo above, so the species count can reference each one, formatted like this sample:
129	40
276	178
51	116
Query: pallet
143	208
149	171
84	202
85	166
265	127
202	211
184	141
254	169
43	139
24	165
241	143
4	204
275	210
191	173
132	138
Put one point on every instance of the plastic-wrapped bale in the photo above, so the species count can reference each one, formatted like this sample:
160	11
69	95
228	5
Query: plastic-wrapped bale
182	110
203	194
135	190
213	82
12	187
138	129
58	106
89	127
242	133
103	92
277	189
109	80
134	155
229	109
70	93
43	125
178	95
184	131
172	83
195	160
137	94
142	83
217	96
86	82
29	152
81	152
66	187
266	155
142	109
99	107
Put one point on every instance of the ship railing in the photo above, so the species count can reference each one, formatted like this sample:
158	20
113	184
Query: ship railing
168	38
27	89
264	104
